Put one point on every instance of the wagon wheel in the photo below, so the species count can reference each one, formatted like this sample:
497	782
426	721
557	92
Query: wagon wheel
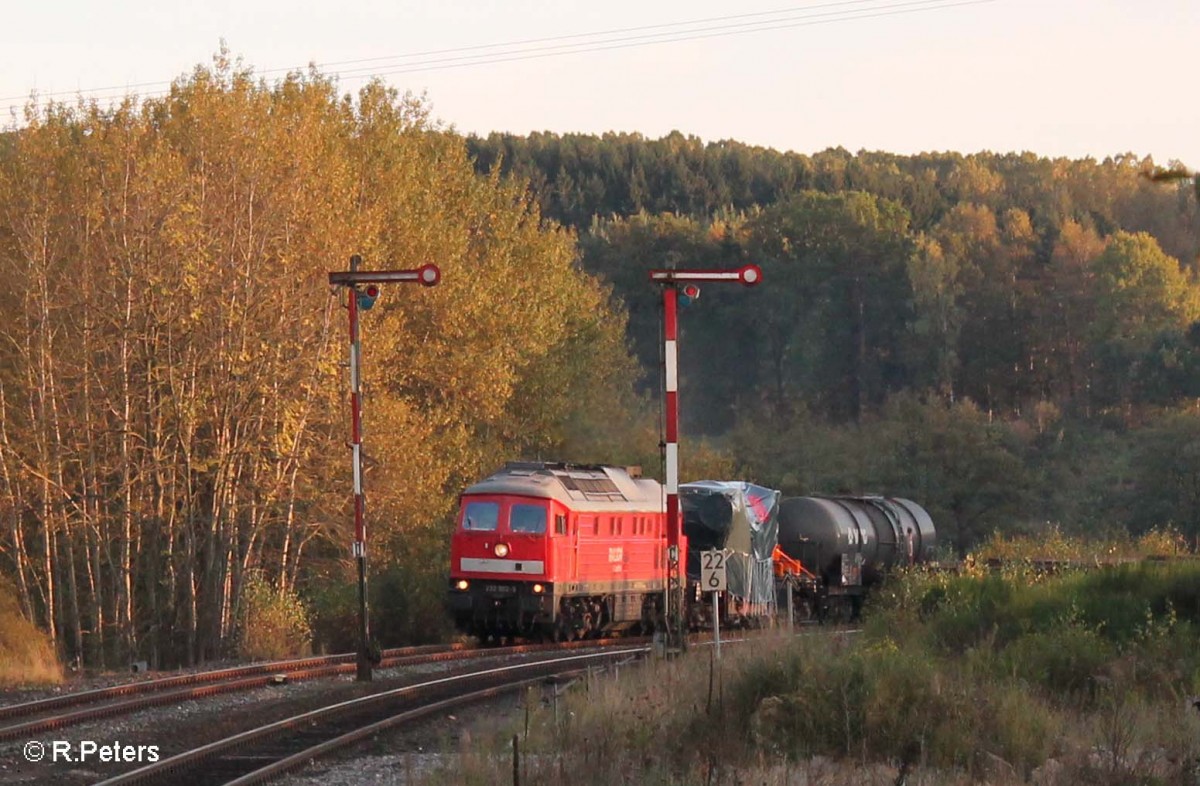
564	627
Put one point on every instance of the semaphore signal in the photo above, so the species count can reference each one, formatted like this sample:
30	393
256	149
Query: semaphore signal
748	275
672	282
362	299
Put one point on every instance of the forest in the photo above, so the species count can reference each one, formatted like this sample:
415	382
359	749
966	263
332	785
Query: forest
1007	339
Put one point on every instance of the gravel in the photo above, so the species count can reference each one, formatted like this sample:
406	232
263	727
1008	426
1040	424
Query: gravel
411	754
173	728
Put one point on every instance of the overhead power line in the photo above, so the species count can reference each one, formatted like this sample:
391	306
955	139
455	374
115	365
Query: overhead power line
603	33
577	43
890	9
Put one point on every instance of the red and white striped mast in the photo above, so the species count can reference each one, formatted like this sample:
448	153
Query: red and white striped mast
364	298
670	280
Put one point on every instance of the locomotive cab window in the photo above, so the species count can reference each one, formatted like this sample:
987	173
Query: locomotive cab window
530	519
481	516
560	524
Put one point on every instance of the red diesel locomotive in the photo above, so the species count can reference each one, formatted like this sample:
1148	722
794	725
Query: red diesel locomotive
558	550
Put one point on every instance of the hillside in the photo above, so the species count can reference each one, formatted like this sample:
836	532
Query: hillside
1011	339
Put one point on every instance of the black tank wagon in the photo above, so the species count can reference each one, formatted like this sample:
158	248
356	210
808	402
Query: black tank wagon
848	543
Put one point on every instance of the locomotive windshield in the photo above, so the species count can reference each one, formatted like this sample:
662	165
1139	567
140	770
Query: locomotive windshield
529	519
481	516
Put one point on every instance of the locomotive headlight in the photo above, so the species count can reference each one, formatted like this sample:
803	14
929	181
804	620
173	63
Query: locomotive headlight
538	589
501	550
463	584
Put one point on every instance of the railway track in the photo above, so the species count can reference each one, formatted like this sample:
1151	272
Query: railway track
47	714
260	754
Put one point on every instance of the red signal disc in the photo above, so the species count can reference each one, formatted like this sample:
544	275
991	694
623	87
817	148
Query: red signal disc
372	291
750	275
429	275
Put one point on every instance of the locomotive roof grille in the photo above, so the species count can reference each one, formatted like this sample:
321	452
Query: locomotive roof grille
592	488
580	482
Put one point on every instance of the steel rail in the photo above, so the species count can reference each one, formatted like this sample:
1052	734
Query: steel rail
165	683
203	684
232	681
297	760
301	758
174	763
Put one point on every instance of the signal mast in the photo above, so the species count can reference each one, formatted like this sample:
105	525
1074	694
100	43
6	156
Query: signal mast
672	281
364	299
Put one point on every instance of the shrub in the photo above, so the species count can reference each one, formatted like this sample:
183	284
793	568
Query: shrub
1053	544
272	624
970	610
26	654
890	702
1086	675
1062	662
334	604
1129	601
408	593
1162	542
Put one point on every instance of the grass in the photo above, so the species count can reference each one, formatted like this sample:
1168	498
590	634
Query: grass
26	655
1054	545
997	678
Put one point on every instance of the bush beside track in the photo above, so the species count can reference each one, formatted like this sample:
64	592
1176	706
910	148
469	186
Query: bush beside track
1001	676
26	653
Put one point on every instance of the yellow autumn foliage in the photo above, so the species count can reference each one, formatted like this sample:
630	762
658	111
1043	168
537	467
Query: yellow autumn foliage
173	389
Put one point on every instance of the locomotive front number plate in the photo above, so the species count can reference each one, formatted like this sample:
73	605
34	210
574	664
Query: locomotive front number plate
530	566
499	589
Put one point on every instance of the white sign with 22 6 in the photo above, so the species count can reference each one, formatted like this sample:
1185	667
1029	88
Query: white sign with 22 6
712	571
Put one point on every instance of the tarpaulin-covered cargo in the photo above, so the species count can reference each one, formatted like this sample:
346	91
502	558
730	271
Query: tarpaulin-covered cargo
737	516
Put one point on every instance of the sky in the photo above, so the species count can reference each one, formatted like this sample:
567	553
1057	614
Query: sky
1072	78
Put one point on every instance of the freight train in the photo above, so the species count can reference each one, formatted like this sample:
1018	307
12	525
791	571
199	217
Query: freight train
564	551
